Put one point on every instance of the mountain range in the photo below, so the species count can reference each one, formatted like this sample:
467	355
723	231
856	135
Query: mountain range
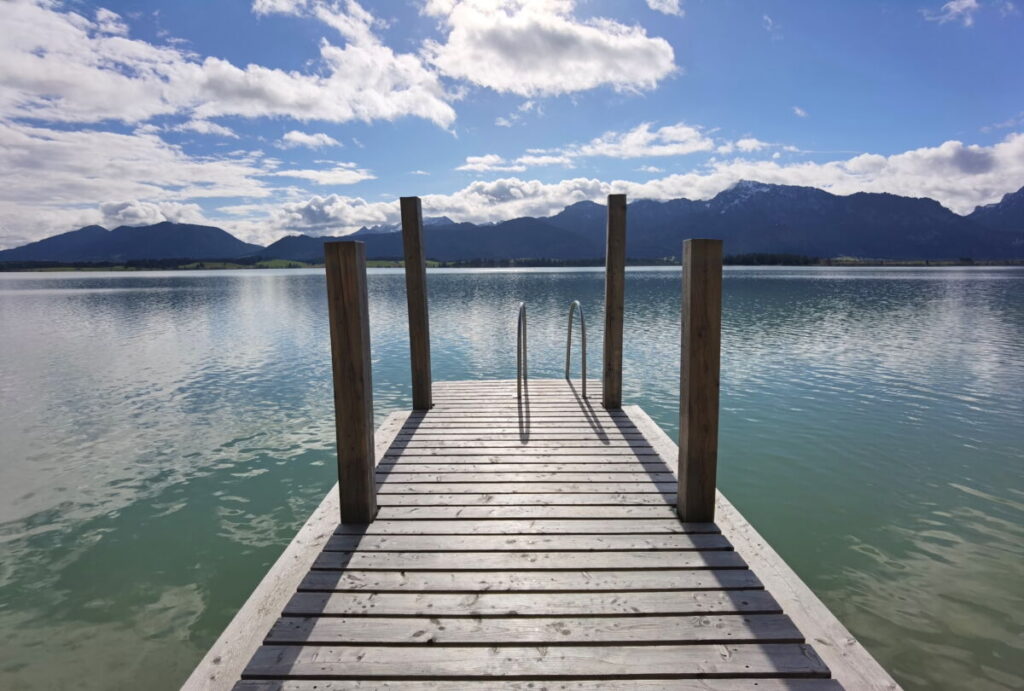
750	217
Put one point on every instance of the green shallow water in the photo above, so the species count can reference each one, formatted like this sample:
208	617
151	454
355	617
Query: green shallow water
163	435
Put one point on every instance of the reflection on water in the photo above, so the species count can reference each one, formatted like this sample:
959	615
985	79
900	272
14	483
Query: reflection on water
163	436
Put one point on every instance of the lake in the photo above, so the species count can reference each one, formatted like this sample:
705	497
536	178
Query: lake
163	435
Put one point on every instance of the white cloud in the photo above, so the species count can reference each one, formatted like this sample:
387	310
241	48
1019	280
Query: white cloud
341	174
489	162
955	10
310	140
61	66
671	140
748	144
650	169
418	172
799	112
503	122
539	48
666	7
136	213
108	22
204	127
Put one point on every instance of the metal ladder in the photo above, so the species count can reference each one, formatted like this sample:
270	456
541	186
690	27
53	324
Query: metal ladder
521	363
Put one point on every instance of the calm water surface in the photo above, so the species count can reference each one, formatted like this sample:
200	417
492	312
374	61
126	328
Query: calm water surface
163	435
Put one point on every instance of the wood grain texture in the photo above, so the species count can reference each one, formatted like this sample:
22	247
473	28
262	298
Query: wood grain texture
349	317
625	630
507	663
526	561
614	301
416	298
516	543
749	684
698	387
529	581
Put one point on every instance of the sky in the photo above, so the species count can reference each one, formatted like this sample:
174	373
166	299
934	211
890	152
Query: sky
276	117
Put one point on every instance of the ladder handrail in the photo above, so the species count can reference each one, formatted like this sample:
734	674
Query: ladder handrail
573	308
521	350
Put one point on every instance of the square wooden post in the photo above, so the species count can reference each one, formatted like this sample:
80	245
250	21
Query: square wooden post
416	297
348	313
698	386
614	305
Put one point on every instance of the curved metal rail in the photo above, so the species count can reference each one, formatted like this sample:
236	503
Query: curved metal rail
573	308
521	350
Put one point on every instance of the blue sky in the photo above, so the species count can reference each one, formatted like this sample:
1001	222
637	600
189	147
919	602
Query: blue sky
270	117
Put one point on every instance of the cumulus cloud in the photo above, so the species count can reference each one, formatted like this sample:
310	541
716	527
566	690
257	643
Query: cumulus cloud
953	11
489	162
309	140
136	213
539	48
799	112
61	66
341	174
670	140
641	141
205	127
666	7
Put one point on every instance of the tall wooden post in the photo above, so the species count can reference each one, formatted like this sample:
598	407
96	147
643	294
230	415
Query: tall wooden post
698	387
614	296
353	386
416	296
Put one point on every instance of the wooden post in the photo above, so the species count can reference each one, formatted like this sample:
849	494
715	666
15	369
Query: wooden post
353	386
614	296
698	387
416	296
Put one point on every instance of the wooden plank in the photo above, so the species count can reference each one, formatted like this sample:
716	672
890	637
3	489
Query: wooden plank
607	500
524	462
416	299
524	487
525	437
509	663
415	442
605	526
851	664
488	604
526	561
522	451
441	465
420	512
349	319
529	581
517	543
663	630
698	389
752	684
400	476
224	661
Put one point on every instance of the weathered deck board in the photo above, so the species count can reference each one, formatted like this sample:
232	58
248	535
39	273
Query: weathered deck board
529	544
526	527
515	662
626	630
500	581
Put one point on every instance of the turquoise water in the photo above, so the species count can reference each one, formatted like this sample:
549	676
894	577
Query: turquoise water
163	435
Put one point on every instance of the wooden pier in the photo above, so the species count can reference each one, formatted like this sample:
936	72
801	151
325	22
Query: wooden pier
514	534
